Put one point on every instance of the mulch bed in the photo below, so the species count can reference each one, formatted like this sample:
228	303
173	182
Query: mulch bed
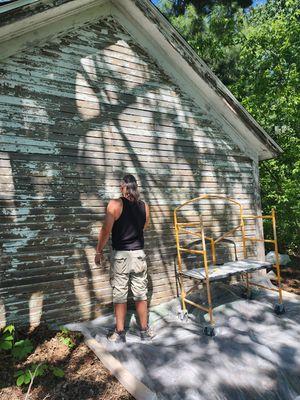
85	377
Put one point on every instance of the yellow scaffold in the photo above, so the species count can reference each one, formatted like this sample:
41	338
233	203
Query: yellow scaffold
216	271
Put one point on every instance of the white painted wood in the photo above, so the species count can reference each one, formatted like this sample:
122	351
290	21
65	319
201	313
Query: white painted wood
77	12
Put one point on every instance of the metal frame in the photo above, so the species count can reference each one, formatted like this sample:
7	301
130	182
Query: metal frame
182	227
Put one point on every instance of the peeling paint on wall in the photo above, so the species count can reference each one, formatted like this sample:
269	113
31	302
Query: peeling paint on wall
95	106
14	245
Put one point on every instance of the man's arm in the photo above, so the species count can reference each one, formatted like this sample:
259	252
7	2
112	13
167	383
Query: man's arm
109	220
147	216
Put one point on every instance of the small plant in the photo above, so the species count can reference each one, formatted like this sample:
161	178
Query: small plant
58	372
7	337
18	349
24	377
27	376
21	349
65	337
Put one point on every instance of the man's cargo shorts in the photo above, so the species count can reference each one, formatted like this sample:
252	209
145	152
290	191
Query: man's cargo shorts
129	267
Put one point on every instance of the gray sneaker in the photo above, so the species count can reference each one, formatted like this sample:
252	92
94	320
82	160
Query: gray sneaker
147	334
117	337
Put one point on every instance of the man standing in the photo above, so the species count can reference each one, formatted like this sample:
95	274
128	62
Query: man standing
126	218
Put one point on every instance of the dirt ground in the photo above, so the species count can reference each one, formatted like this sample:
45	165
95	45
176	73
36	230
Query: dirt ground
85	377
290	275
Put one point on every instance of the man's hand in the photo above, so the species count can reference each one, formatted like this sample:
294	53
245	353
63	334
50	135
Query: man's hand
99	258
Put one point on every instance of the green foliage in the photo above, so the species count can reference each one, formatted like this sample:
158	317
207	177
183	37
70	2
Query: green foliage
268	86
58	372
66	338
25	376
19	349
7	337
22	348
256	54
212	36
203	7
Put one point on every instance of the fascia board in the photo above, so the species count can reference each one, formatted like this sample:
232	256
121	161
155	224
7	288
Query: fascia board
40	26
16	4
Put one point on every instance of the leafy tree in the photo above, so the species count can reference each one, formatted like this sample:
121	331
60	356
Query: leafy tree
268	85
255	52
213	36
203	7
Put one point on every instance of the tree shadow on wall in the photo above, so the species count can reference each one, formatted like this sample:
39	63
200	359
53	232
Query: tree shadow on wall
70	139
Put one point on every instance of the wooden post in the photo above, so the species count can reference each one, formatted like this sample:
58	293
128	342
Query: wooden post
260	247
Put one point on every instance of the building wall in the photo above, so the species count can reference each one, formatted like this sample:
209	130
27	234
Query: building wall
76	114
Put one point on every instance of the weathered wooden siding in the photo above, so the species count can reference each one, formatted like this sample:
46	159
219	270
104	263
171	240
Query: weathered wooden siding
76	114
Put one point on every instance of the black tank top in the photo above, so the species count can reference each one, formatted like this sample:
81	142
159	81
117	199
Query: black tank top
128	229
